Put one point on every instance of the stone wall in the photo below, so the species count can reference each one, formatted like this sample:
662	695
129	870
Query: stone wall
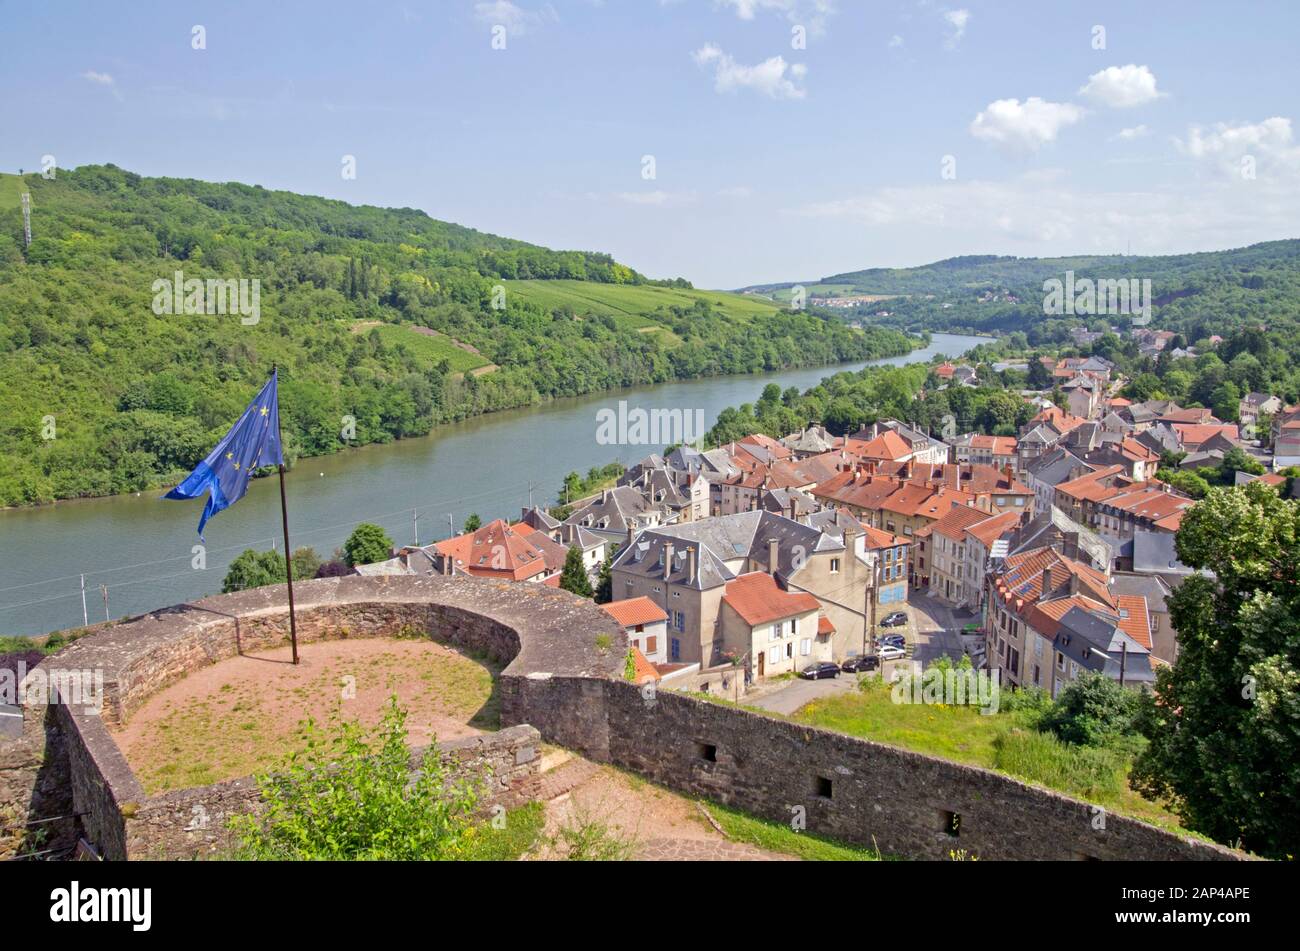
866	793
505	767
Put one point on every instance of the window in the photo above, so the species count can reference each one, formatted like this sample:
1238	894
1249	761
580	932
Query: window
835	566
789	649
951	823
676	650
774	655
651	645
679	620
805	646
775	634
1060	663
794	626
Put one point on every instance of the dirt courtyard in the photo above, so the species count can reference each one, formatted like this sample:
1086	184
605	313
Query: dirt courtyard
243	715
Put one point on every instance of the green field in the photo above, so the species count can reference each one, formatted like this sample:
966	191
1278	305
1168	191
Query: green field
634	305
11	188
433	349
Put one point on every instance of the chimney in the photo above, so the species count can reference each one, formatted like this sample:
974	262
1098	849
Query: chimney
1047	584
668	559
604	497
690	565
794	510
850	548
631	534
773	555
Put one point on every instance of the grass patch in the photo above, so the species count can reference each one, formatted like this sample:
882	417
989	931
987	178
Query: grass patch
426	346
1006	741
633	305
11	190
776	837
520	835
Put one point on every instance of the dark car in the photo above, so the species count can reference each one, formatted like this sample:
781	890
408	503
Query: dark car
818	671
894	640
855	665
897	619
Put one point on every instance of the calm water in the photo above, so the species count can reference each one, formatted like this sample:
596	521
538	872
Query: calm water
140	547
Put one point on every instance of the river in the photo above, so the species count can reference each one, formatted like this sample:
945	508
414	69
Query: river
140	548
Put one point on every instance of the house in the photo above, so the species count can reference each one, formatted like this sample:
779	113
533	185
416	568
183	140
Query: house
616	512
1110	502
496	550
888	557
1192	436
1086	639
1254	405
923	446
978	449
1018	641
948	580
685	569
885	446
646	626
776	631
1083	394
812	441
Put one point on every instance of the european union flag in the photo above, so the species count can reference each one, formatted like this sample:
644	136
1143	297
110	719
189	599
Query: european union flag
252	442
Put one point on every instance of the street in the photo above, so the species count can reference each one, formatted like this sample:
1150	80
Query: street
933	631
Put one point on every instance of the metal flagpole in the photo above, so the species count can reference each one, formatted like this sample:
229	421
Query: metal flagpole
284	521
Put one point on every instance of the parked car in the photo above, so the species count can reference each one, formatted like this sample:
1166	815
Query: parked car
897	619
894	640
890	652
818	671
861	664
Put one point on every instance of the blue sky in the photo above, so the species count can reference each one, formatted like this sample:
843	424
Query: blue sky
771	162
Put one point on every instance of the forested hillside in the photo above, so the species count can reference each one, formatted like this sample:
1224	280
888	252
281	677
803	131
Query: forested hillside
989	293
383	315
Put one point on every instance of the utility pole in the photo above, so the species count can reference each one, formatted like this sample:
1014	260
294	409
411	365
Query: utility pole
27	218
530	495
103	589
415	529
451	523
1123	661
85	618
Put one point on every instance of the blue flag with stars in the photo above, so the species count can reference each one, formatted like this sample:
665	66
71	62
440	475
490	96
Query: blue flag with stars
252	442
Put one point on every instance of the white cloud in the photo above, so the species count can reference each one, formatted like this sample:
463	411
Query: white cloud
736	191
102	79
1133	132
513	17
1017	126
773	77
812	14
1122	87
1044	217
658	199
895	41
956	20
1271	143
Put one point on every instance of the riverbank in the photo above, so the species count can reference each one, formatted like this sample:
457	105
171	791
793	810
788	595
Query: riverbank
146	551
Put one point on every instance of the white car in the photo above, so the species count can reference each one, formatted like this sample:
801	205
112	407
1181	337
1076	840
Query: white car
890	652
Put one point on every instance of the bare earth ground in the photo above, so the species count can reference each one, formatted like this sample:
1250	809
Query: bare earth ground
243	715
661	824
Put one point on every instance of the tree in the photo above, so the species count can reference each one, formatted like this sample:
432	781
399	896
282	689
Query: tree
1223	721
376	807
473	523
256	569
574	576
605	583
366	545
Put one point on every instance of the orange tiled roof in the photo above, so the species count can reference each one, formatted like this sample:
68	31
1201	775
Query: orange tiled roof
495	551
989	530
1134	619
758	599
824	625
888	445
1194	434
954	524
646	672
634	611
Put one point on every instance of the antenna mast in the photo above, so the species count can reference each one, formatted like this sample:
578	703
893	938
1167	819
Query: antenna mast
27	218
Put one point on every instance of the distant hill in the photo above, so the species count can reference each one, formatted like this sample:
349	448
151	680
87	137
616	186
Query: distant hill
384	315
992	293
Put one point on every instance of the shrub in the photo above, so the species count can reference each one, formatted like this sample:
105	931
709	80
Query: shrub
1093	711
351	794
